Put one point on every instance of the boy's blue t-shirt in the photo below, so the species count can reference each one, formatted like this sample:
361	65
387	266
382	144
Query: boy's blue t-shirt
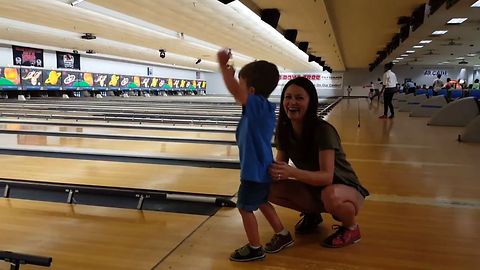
254	136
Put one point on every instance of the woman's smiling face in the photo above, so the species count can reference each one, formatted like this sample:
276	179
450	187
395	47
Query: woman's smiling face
295	102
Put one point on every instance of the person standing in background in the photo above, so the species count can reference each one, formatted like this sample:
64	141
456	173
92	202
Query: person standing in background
389	89
437	84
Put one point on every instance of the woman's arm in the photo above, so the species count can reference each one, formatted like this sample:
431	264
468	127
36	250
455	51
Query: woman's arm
280	170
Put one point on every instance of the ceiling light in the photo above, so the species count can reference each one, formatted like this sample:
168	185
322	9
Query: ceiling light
456	20
460	58
399	58
410	51
425	41
404	55
395	61
472	54
476	4
418	46
440	32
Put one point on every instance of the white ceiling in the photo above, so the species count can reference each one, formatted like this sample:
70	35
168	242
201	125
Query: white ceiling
346	34
459	41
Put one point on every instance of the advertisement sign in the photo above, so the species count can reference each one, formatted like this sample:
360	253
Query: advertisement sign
24	56
68	60
321	81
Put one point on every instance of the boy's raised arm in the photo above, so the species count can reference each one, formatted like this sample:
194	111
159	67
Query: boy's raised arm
228	74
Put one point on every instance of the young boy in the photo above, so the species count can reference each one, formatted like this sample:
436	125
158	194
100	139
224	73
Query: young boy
254	133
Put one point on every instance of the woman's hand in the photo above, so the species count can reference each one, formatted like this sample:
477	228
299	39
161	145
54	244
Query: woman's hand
280	171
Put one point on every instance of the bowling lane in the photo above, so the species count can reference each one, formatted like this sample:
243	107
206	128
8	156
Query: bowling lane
212	181
80	237
122	131
144	147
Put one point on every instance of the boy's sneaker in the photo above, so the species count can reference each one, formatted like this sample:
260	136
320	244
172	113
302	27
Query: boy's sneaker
279	242
308	223
342	237
247	253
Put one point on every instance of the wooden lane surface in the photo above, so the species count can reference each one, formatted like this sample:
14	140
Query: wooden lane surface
124	131
80	237
424	211
118	174
117	124
186	149
394	236
406	157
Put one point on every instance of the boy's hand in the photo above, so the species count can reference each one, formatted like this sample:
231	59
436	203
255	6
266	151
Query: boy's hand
223	57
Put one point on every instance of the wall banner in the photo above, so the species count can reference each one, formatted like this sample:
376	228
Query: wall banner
321	81
68	60
24	56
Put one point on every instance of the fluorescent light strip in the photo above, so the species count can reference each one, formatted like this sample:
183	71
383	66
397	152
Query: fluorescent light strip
270	32
456	20
100	43
399	58
404	55
476	4
440	32
410	51
146	25
425	41
418	46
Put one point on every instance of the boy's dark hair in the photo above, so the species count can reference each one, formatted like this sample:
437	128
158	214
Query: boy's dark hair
261	75
439	76
388	65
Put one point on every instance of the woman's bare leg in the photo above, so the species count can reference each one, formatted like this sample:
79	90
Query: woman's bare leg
343	202
295	195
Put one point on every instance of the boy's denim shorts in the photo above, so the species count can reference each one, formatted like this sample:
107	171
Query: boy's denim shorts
252	194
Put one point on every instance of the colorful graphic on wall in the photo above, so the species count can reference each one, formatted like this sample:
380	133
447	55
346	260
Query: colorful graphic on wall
114	81
85	79
9	77
145	82
68	60
125	80
154	82
24	56
165	84
100	80
31	78
52	79
129	82
136	82
69	79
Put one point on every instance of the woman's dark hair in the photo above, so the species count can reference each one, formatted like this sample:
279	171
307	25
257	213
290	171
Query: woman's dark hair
284	126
